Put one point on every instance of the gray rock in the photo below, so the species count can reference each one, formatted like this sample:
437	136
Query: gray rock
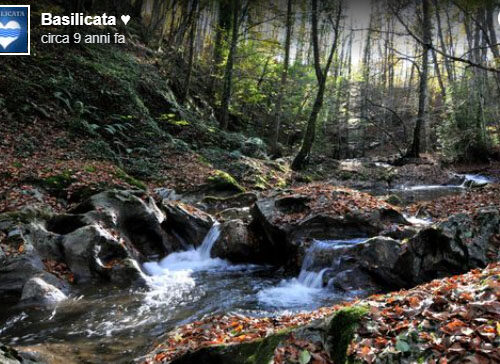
139	221
92	253
38	291
243	214
10	355
168	194
187	221
286	219
367	266
237	244
15	272
454	246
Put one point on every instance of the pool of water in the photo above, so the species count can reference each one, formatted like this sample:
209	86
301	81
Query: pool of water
108	324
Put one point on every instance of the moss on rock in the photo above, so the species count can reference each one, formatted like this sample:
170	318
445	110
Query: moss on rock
59	182
340	332
221	180
256	352
130	180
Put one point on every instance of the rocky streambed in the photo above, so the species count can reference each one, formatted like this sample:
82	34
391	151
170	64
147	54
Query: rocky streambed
104	281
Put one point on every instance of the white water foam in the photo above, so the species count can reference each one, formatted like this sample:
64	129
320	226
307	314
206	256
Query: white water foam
418	221
308	286
190	260
477	178
172	277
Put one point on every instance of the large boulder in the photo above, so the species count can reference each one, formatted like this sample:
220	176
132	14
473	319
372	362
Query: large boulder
187	221
134	217
319	212
353	265
38	291
237	244
454	246
92	252
15	272
100	240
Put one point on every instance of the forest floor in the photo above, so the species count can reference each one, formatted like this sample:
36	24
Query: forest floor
450	320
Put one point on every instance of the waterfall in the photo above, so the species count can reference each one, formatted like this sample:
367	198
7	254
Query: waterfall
475	179
189	260
209	241
312	279
307	288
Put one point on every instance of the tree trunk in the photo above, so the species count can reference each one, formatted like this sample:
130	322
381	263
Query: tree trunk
228	73
192	38
221	33
418	144
284	79
302	157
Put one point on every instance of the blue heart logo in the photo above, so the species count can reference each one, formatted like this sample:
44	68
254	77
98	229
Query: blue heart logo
9	33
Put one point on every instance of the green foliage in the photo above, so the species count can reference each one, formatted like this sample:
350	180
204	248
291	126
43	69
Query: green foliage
98	149
462	133
142	167
304	357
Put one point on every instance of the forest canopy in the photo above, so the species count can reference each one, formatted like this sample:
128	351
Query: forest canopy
344	78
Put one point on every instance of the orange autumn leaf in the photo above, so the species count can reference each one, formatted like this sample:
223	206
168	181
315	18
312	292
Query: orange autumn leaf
414	301
453	326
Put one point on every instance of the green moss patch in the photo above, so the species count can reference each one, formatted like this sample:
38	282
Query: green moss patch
341	330
223	181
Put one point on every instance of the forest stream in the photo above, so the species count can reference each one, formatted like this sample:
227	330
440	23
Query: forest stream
249	182
105	323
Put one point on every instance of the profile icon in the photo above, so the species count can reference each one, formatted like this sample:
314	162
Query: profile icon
14	30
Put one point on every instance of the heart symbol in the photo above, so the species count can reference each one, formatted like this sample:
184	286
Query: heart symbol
9	33
125	19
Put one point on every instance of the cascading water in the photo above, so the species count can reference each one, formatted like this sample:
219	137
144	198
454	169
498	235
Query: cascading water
476	179
189	260
411	194
172	277
308	286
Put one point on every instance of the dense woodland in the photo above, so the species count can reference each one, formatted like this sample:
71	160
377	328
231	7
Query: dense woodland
253	181
344	79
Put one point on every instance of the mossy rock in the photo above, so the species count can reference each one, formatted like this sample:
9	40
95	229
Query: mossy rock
255	352
394	200
223	181
130	180
261	183
59	182
340	332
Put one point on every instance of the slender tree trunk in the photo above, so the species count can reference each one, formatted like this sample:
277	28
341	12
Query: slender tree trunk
364	93
348	97
192	38
228	74
493	37
299	58
447	64
437	70
302	157
418	144
284	78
